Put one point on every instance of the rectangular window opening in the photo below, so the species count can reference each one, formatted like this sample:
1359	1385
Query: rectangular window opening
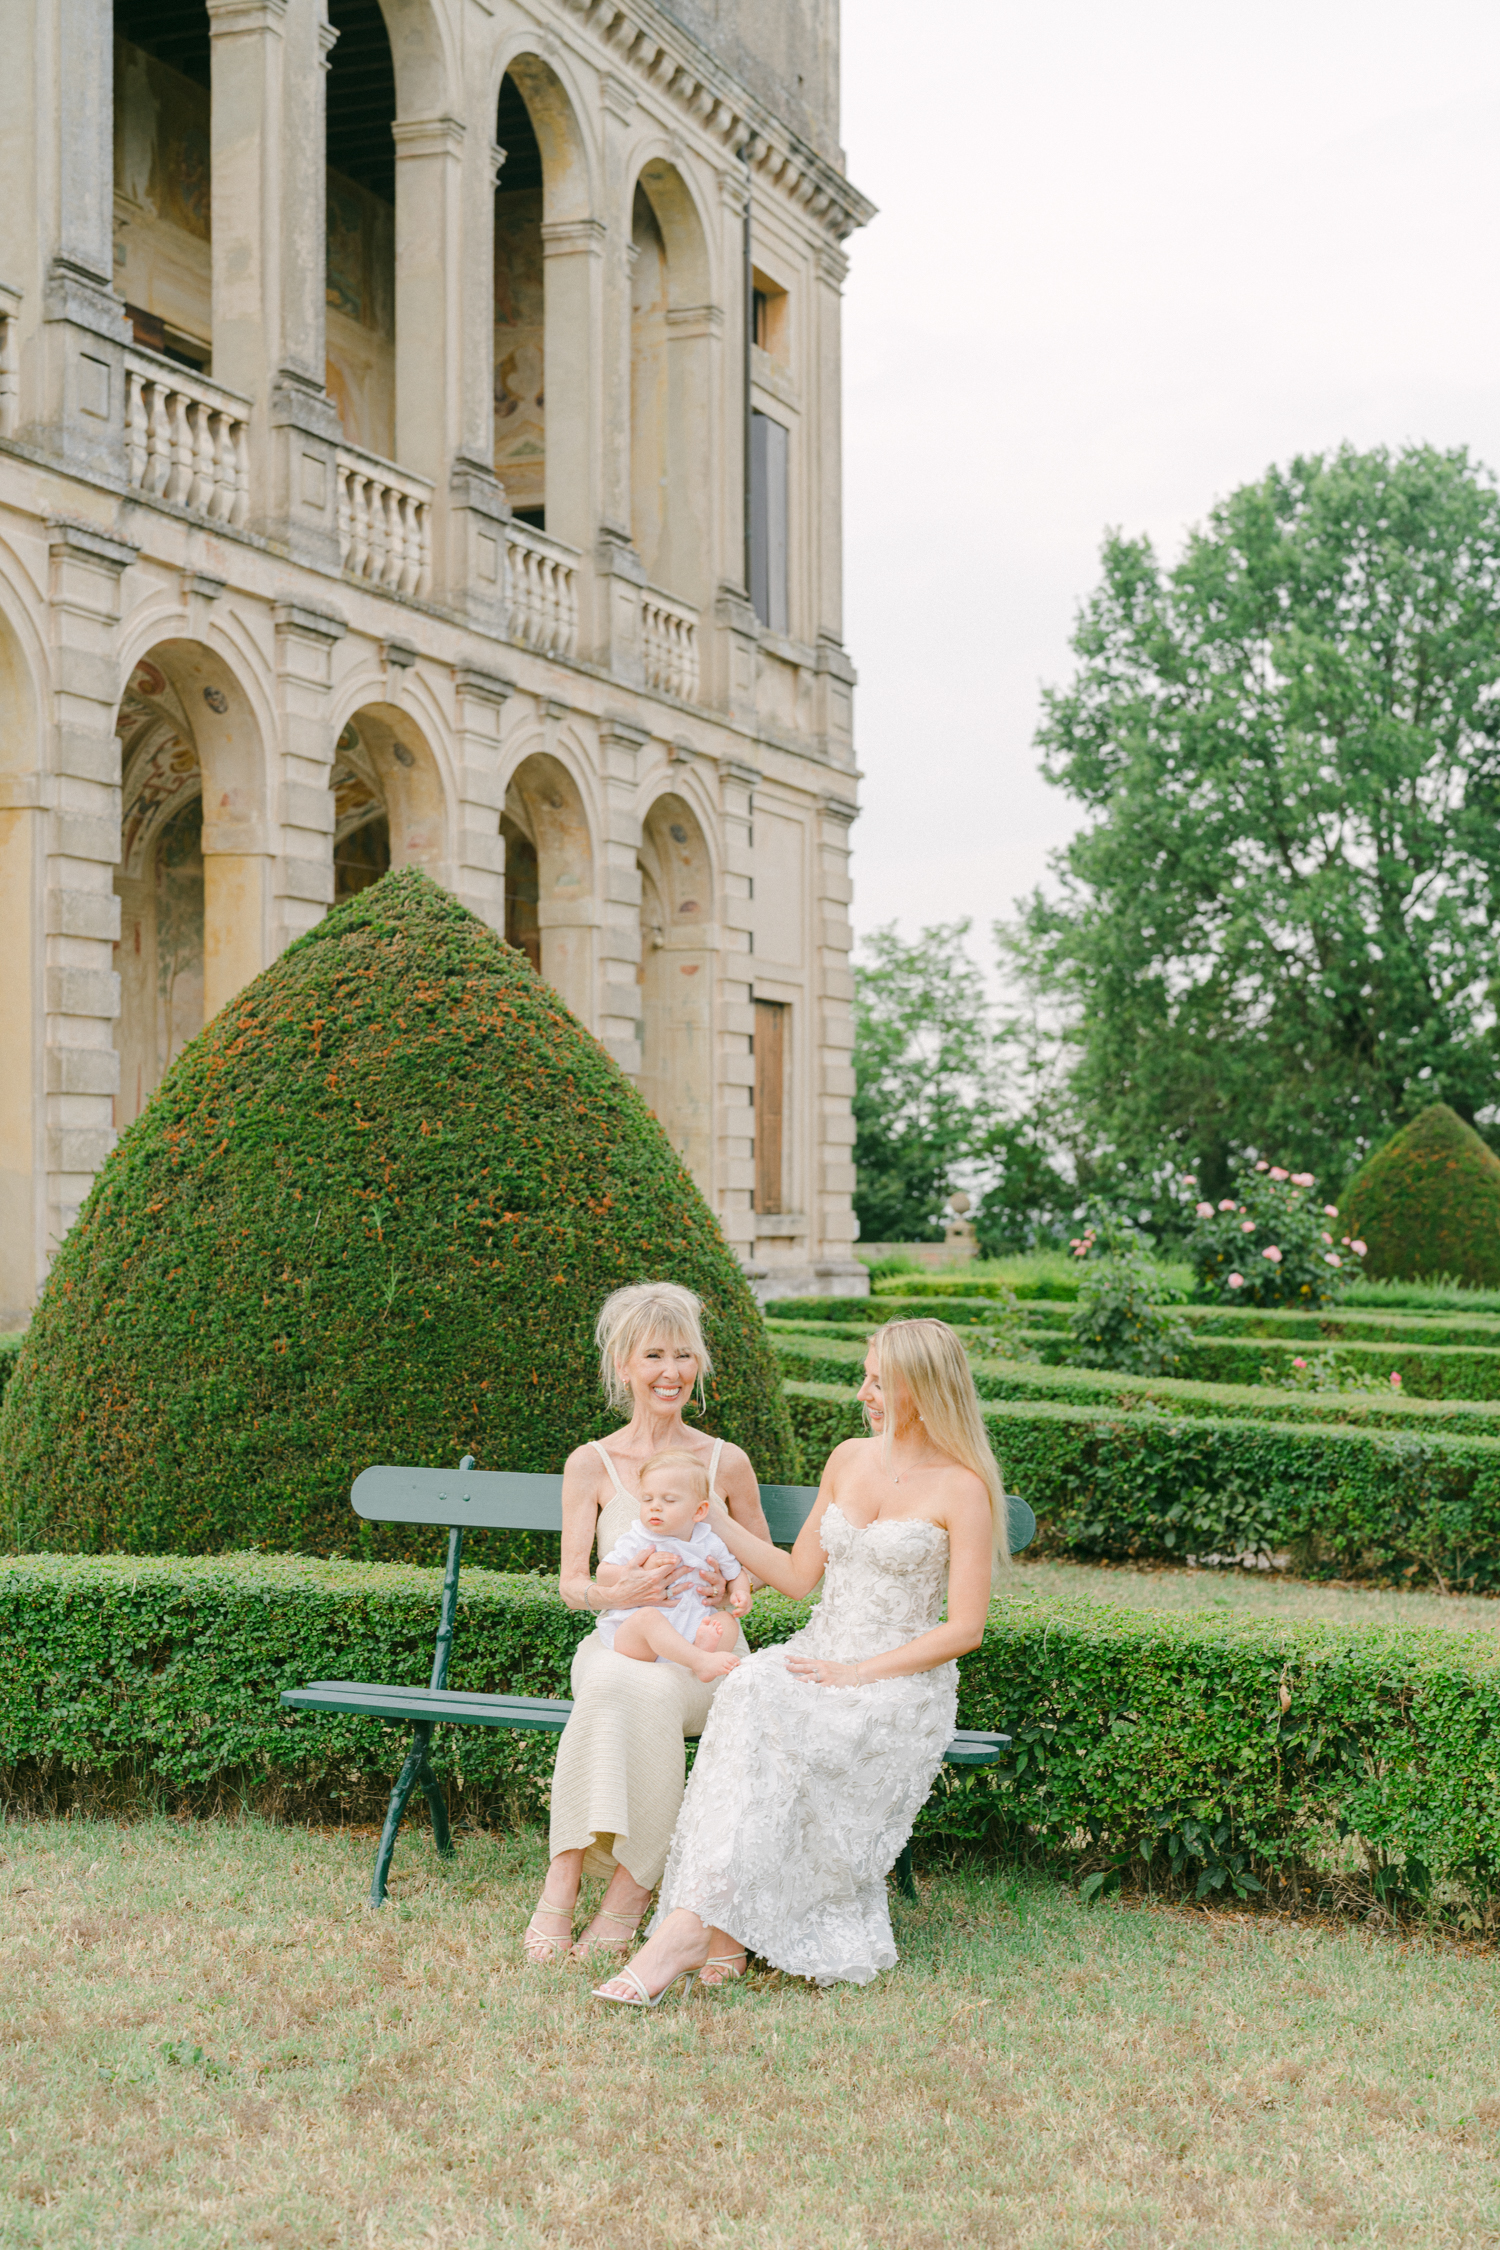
768	521
770	1104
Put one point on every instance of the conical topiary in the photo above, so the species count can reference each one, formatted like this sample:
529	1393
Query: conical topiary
1428	1203
369	1215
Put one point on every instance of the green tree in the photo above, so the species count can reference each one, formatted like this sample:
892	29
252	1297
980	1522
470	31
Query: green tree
1277	930
923	1078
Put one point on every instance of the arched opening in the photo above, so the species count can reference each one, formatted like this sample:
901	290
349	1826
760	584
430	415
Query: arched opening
676	973
20	1032
520	313
671	329
162	216
549	879
159	883
360	271
387	800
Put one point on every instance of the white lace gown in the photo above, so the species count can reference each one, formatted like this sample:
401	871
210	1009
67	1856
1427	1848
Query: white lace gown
803	1796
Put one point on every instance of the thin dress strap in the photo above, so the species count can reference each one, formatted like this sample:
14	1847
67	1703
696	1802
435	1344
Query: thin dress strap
713	1469
614	1474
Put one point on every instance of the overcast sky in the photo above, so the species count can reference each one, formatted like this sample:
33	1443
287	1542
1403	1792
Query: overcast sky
1129	253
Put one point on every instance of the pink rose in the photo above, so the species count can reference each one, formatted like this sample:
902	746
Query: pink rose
1328	1238
1330	1210
1205	1210
1299	1363
1331	1257
1273	1254
1236	1281
1358	1248
1228	1203
1247	1226
1395	1382
1262	1166
1302	1179
1277	1173
1190	1178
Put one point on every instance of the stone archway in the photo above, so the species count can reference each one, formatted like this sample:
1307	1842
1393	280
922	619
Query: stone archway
159	882
549	878
677	956
387	800
21	825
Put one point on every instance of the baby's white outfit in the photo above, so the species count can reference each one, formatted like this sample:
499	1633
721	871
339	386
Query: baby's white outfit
688	1613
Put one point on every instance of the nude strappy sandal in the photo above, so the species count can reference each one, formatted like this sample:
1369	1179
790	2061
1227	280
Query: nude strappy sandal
641	1997
540	1949
630	1923
725	1962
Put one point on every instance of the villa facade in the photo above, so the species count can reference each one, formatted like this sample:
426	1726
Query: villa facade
419	445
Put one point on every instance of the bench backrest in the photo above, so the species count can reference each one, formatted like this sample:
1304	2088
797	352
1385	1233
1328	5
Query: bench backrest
470	1499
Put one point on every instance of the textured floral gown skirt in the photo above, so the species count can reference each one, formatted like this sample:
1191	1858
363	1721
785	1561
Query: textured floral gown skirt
802	1796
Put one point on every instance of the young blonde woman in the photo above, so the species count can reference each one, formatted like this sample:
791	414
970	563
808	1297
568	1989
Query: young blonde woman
818	1755
617	1786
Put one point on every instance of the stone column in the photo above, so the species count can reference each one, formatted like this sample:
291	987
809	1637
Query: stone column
469	570
620	746
736	1062
429	295
81	986
825	430
302	870
616	642
574	251
479	875
25	794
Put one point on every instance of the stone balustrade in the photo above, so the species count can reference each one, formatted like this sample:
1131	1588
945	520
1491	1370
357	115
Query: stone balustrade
186	440
669	644
542	591
385	524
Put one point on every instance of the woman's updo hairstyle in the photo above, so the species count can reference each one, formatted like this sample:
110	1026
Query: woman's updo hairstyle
648	1312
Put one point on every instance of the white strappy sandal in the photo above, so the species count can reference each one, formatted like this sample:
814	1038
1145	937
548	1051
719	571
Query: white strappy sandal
642	1998
630	1923
733	1965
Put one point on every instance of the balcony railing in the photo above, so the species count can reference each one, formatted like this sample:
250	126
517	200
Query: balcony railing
669	644
186	440
542	591
385	524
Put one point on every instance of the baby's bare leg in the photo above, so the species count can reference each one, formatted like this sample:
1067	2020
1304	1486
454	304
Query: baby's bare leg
646	1635
717	1631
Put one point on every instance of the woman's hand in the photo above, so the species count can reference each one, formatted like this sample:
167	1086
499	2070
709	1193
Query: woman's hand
824	1671
647	1583
707	1579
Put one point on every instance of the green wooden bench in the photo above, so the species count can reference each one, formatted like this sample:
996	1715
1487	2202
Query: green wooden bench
466	1498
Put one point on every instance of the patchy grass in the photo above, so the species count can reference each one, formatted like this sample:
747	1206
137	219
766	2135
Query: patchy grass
1252	1593
209	2041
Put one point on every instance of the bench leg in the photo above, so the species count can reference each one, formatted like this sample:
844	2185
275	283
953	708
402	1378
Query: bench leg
906	1881
416	1759
437	1808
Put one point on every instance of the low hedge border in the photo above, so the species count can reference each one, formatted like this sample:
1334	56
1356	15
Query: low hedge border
1359	1295
1296	1328
1343	1503
830	1356
1232	1753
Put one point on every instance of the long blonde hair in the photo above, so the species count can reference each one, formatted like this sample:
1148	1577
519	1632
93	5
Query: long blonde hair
648	1312
929	1361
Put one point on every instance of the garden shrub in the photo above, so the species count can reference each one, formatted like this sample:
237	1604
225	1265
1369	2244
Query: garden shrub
1428	1203
1343	1501
1335	1324
10	1347
1271	1243
1122	1320
822	1356
1221	1750
369	1215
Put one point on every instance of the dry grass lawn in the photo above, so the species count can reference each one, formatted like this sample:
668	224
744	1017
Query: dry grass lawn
209	2041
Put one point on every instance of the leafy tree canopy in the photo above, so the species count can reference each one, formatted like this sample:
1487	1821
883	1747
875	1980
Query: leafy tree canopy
1277	929
922	1071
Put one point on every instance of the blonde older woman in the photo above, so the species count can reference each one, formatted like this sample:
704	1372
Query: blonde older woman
620	1768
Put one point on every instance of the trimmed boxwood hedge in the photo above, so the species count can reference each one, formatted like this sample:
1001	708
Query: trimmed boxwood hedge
1428	1203
1334	1325
1142	1738
369	1215
1346	1503
810	1357
10	1348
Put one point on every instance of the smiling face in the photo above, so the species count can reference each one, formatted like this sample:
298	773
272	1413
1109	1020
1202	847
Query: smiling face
872	1397
661	1375
670	1503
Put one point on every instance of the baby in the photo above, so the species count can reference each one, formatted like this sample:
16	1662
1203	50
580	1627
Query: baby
674	1512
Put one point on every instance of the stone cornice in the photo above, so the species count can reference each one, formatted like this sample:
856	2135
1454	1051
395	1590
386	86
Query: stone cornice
668	59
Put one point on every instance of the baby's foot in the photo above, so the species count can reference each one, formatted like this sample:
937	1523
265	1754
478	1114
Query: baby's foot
706	1667
716	1632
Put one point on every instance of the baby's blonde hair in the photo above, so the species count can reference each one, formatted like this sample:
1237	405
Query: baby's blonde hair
647	1312
678	1457
929	1361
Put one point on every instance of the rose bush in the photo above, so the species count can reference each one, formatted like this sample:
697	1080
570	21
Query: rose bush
1270	1243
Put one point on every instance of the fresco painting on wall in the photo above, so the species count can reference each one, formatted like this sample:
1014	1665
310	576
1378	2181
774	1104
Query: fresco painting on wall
520	398
162	208
360	296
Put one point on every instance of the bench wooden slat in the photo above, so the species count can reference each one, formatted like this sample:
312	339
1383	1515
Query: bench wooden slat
460	1499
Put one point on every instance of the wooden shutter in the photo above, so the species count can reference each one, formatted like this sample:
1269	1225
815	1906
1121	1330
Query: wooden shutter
770	1102
768	521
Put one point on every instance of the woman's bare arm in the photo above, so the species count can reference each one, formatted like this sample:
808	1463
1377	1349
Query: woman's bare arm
967	1521
641	1584
796	1573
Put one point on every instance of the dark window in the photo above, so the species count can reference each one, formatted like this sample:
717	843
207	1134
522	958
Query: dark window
768	521
770	1098
760	318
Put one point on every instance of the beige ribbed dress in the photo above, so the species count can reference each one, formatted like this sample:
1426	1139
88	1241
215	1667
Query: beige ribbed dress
617	1785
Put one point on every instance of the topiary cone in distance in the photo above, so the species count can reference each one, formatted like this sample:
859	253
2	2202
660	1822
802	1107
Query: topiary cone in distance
1428	1203
369	1215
